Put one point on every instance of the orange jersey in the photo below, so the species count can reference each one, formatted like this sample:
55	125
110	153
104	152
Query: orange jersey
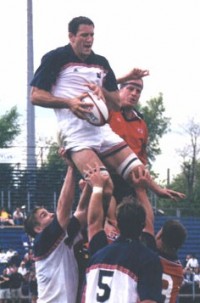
172	279
134	132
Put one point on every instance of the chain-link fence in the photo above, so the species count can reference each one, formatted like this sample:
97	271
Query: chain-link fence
30	188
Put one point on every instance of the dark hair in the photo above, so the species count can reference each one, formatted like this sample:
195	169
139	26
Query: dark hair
30	222
74	24
173	234
130	217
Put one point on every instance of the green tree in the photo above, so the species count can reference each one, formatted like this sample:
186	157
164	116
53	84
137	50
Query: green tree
47	178
190	206
189	179
158	124
190	153
10	129
9	126
53	158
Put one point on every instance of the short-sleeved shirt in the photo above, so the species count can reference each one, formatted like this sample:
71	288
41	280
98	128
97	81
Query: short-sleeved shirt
123	271
56	266
134	132
64	75
192	263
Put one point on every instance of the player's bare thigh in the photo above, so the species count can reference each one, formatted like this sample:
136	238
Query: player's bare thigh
122	159
84	157
87	156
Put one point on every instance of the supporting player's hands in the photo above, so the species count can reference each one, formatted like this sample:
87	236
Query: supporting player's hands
140	176
171	194
95	177
141	179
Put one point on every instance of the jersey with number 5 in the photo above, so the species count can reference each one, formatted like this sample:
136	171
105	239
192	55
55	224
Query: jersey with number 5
124	271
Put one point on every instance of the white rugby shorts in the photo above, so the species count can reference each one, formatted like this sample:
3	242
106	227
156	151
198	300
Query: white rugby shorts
83	135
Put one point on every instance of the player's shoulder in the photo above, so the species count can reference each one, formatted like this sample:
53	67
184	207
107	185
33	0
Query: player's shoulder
54	233
98	241
147	254
148	240
56	53
168	261
100	59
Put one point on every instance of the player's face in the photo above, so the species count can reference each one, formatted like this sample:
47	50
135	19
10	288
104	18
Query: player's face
44	218
130	94
83	40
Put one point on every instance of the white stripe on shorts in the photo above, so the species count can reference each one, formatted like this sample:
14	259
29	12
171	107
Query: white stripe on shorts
127	165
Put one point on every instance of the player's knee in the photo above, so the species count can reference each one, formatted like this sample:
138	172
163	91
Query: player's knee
128	165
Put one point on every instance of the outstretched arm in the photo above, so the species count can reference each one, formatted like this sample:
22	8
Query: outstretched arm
82	207
112	99
66	198
141	180
95	210
44	98
157	189
165	192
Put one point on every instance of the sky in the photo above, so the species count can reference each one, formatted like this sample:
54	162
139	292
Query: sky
162	36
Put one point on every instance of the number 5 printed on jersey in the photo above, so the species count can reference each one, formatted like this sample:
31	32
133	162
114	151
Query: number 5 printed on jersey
104	282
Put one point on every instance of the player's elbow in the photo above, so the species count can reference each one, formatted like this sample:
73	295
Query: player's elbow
34	96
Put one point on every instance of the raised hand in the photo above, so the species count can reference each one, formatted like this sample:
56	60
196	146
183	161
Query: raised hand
137	73
171	194
134	74
95	177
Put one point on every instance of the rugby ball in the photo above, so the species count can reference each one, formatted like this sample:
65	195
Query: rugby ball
98	114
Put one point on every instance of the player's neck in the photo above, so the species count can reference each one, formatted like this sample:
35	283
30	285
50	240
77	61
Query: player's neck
172	253
128	112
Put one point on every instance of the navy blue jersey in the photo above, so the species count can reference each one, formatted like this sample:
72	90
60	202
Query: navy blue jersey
55	263
46	241
124	271
63	58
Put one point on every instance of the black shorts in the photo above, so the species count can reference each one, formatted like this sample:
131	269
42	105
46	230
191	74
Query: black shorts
121	188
